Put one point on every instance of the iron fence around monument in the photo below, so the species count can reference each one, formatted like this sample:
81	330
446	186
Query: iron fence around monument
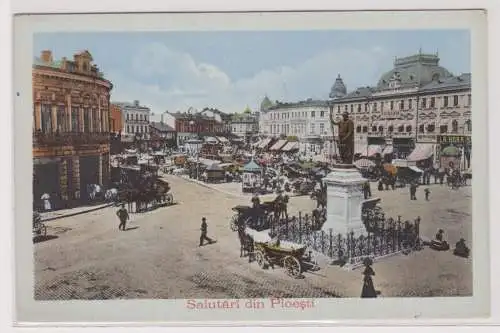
384	236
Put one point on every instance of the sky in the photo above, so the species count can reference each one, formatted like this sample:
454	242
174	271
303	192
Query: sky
230	70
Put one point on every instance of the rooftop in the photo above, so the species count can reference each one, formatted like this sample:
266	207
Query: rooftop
161	126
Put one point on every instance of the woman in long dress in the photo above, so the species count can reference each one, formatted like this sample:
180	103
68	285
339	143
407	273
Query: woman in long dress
368	290
46	202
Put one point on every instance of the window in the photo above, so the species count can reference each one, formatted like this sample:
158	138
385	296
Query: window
346	108
401	128
392	105
128	128
366	107
95	120
127	117
381	129
374	106
468	124
468	100
374	128
86	120
455	100
410	103
431	128
365	129
421	128
352	108
454	126
313	128
338	109
75	119
390	129
62	121
358	129
445	101
359	107
46	117
313	114
322	128
408	128
382	106
424	103
401	105
136	117
322	114
433	102
443	129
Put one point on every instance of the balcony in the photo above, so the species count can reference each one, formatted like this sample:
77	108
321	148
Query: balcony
69	139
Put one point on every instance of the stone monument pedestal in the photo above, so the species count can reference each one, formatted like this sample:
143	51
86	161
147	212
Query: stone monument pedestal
344	201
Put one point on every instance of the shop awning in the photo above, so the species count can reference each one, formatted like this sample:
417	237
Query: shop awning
290	146
211	139
264	143
361	149
278	145
421	152
388	150
374	149
222	139
416	169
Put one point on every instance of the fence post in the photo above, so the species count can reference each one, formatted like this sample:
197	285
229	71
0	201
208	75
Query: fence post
322	242
331	243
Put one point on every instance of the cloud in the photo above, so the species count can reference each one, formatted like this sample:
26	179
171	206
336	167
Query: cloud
166	79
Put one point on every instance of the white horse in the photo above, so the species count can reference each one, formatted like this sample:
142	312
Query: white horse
111	194
93	191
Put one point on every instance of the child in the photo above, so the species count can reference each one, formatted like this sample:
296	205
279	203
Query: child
427	192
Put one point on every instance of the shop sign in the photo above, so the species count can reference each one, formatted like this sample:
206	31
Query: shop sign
454	139
430	138
390	114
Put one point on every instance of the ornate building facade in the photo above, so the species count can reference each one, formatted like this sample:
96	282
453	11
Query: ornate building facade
245	125
71	121
410	110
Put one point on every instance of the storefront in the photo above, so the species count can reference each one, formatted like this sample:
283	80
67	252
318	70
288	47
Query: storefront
462	142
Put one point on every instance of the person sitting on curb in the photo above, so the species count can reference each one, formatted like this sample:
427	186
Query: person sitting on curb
439	244
461	250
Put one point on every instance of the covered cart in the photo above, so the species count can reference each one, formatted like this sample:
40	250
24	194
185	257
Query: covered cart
215	173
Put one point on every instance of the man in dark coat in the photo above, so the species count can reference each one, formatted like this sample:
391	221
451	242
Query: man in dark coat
413	191
123	217
204	229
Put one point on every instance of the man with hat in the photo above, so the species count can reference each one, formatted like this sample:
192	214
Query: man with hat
346	137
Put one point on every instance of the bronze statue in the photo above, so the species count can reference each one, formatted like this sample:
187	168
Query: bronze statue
345	140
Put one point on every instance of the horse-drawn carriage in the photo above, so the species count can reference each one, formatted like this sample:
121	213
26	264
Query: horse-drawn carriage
256	218
287	255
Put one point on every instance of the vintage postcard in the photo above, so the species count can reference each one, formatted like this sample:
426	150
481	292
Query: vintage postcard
245	167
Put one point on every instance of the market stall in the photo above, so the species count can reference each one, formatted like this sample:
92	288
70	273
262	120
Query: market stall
215	173
251	177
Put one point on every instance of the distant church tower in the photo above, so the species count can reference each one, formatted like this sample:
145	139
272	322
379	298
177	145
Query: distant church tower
338	88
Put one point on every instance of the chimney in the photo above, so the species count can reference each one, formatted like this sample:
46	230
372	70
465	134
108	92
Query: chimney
46	56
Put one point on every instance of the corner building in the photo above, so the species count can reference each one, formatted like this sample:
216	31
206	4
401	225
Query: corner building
412	112
71	117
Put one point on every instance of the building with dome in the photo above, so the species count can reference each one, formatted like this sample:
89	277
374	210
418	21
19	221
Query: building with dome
245	125
414	111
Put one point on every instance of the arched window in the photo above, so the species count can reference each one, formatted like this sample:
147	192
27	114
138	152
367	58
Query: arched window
421	129
390	129
401	128
358	129
374	128
408	128
431	128
381	128
365	129
454	126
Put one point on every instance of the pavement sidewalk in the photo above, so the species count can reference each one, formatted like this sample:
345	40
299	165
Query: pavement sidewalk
59	214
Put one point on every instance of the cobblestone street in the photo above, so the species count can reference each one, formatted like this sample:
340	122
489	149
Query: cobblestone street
158	256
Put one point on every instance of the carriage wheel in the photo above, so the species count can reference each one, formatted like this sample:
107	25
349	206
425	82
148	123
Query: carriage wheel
292	266
261	261
233	225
